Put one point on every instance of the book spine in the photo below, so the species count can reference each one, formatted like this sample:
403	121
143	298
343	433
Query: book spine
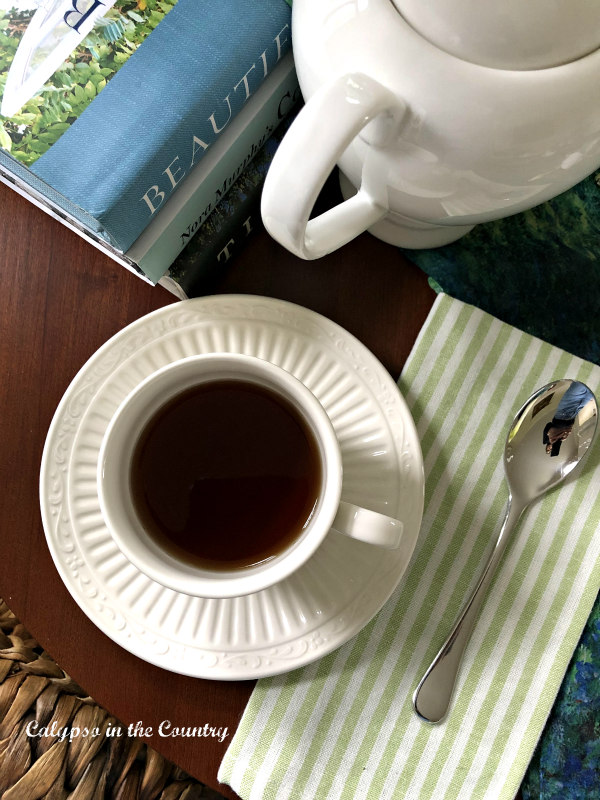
224	234
227	229
167	106
187	211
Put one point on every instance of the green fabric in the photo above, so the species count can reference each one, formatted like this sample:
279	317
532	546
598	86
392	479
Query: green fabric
540	271
344	727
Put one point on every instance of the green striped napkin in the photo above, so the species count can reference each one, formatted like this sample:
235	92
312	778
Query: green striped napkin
344	726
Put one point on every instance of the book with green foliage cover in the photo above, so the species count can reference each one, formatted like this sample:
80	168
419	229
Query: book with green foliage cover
107	106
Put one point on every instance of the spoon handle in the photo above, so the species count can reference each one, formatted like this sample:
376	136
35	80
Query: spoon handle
432	696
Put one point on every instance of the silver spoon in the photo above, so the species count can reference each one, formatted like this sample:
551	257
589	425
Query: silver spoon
547	439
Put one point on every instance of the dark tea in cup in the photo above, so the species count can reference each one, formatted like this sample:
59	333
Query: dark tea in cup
226	474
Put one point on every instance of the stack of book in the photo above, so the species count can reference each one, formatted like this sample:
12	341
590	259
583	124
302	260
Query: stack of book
235	218
131	120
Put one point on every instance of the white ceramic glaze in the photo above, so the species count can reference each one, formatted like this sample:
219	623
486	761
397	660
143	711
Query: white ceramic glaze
434	143
325	602
511	34
118	510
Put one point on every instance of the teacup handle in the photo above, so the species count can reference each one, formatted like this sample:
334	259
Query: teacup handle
368	526
308	153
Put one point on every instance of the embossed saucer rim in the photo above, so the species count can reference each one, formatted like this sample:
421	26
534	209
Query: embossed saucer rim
148	332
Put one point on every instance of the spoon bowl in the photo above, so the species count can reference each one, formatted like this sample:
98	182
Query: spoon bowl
547	439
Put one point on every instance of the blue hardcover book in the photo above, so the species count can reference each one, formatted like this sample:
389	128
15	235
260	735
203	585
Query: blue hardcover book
185	214
108	106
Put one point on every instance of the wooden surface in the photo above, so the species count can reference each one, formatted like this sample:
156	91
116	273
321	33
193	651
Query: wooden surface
60	299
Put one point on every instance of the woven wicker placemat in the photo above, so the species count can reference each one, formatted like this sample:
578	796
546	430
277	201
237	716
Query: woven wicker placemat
36	693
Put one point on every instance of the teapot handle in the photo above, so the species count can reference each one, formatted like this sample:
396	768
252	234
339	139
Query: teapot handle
308	153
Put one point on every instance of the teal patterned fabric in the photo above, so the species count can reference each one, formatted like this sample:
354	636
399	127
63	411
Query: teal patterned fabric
540	271
566	764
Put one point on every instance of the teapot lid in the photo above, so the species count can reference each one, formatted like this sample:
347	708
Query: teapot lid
508	34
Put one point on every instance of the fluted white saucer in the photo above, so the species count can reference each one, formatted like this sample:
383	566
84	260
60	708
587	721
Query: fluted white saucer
320	607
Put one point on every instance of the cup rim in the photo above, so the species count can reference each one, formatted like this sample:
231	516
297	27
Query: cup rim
123	430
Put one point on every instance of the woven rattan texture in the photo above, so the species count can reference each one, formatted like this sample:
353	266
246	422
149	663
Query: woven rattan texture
35	694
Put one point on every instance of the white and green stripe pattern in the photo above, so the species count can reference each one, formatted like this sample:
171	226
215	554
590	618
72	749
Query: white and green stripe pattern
344	727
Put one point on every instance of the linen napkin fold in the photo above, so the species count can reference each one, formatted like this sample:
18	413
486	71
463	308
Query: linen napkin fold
344	727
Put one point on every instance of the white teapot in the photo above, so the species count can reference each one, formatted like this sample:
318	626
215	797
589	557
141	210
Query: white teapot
440	114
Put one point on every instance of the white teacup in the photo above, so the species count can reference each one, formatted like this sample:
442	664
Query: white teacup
180	574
